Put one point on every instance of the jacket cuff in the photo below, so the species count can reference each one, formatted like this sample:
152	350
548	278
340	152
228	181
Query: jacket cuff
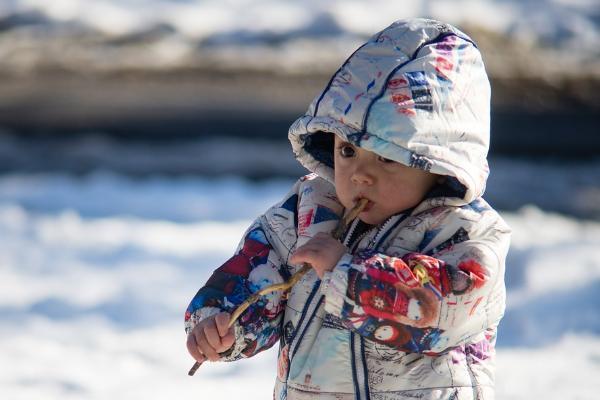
235	351
199	315
334	286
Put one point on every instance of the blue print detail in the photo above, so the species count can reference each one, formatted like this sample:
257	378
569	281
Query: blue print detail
291	204
416	78
324	214
427	238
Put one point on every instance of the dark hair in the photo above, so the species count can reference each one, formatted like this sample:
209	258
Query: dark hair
320	146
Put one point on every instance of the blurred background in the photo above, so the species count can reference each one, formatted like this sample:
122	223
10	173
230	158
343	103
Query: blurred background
138	139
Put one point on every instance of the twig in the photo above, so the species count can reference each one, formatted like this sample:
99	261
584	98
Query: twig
337	234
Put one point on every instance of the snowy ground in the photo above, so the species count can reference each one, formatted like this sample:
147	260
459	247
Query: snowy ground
95	274
96	271
287	34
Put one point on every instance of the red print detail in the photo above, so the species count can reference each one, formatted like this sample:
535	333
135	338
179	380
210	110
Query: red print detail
305	220
476	272
308	177
475	305
400	98
443	66
380	304
241	263
375	301
397	83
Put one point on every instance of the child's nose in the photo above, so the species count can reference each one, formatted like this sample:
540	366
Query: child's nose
361	176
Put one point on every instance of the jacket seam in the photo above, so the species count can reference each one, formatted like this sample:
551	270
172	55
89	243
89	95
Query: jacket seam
318	103
433	387
354	371
304	311
437	39
312	317
474	383
293	386
364	362
271	238
487	302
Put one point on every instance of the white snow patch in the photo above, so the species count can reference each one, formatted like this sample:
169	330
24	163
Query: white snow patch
95	277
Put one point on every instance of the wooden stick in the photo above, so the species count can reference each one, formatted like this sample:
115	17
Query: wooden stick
337	234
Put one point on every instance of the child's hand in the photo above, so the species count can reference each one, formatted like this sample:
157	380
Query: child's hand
322	252
210	337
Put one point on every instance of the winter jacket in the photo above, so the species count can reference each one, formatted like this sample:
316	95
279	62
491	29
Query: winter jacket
411	310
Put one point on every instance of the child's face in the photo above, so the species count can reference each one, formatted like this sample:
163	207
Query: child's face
389	186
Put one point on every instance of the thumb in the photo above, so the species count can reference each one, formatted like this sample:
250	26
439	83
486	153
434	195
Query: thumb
227	341
222	322
300	256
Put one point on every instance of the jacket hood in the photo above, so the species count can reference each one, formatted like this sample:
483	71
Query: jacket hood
416	93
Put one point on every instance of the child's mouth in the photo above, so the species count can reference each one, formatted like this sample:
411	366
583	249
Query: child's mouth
368	206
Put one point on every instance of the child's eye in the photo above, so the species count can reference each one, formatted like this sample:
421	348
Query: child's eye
385	160
346	151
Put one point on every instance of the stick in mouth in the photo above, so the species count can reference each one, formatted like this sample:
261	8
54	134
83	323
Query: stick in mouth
342	226
337	233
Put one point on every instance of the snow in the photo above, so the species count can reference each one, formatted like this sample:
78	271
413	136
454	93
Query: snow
552	19
294	28
567	369
97	270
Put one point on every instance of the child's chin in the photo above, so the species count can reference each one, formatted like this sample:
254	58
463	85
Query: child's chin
371	219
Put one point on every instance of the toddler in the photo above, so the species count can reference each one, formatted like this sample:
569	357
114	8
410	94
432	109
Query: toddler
407	305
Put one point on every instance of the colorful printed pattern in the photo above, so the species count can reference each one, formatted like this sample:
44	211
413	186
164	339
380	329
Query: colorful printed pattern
411	92
396	301
259	263
409	308
416	93
243	274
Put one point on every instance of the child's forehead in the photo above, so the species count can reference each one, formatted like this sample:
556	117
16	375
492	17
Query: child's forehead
340	139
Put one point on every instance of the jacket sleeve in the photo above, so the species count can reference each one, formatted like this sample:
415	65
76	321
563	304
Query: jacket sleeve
255	265
422	303
261	260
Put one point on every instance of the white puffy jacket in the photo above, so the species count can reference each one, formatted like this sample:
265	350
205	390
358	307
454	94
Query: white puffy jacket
411	311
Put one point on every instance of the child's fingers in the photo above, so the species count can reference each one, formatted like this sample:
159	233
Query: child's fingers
222	321
192	347
205	348
304	254
301	252
212	336
228	340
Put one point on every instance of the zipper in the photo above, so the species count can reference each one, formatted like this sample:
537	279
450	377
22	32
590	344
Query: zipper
360	372
379	234
350	232
359	239
310	308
